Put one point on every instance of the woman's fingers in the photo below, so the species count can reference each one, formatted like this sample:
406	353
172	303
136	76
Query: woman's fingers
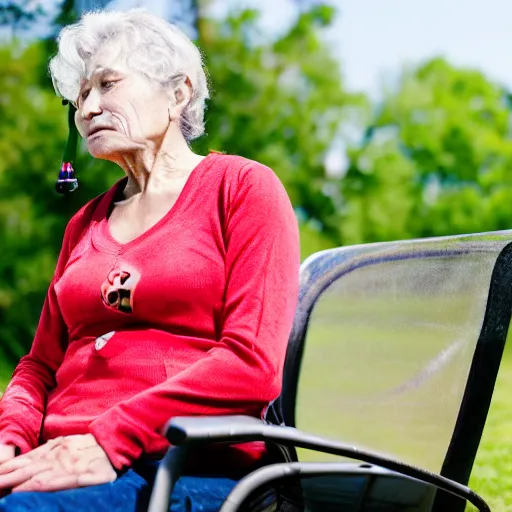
64	463
16	471
14	464
18	476
48	480
42	453
58	478
7	452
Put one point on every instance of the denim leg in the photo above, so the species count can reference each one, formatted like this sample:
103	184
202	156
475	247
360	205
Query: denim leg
129	493
200	494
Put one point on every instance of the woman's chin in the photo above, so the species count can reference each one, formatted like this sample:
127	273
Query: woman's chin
106	148
102	151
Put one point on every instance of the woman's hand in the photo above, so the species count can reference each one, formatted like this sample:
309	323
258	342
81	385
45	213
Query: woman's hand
63	463
7	452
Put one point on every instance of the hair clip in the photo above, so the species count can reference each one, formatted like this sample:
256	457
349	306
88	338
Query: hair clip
67	182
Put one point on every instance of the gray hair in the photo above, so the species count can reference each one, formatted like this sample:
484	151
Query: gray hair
154	47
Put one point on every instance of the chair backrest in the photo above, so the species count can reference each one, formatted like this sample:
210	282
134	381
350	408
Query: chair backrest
396	347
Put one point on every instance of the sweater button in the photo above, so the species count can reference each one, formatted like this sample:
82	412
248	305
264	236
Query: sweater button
102	340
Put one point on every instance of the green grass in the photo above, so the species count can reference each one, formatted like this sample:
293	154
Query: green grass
492	472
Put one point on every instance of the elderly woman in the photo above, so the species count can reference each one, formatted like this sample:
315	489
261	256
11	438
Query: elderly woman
174	291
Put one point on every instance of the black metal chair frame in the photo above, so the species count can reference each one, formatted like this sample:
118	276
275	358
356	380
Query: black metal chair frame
186	433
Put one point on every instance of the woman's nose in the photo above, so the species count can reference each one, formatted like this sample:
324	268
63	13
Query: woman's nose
91	106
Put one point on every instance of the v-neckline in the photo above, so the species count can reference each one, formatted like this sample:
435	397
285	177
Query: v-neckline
106	241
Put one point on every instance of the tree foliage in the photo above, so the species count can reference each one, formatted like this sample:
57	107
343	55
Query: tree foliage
271	104
268	103
435	159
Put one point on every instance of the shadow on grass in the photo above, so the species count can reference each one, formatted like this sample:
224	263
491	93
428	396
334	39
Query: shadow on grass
492	472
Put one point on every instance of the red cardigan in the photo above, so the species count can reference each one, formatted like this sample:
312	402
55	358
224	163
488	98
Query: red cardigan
190	318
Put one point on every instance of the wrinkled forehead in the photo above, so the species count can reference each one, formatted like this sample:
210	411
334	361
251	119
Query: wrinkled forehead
108	58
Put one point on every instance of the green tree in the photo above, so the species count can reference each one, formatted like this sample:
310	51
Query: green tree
434	161
272	104
269	103
32	216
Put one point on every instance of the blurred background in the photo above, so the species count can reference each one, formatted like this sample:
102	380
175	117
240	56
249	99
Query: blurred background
385	120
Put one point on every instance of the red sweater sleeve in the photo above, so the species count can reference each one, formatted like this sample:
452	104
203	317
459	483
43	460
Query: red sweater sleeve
23	403
244	371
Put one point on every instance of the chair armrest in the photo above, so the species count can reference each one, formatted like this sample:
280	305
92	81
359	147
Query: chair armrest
183	431
191	429
239	429
168	473
274	472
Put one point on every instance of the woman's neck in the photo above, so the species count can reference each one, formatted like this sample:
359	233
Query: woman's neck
157	167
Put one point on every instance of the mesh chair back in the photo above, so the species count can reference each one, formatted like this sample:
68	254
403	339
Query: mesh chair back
396	347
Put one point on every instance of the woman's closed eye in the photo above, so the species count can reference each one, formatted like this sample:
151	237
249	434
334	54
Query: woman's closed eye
84	94
107	84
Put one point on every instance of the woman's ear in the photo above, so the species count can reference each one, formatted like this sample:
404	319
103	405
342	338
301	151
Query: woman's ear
180	98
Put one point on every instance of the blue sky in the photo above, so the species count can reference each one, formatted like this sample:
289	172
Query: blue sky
374	38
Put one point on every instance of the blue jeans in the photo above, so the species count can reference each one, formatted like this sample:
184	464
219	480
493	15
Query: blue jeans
129	493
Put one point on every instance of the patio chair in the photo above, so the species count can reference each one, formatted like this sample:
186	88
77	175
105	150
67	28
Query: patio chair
392	362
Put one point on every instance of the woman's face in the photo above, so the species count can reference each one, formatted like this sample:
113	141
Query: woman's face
119	111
